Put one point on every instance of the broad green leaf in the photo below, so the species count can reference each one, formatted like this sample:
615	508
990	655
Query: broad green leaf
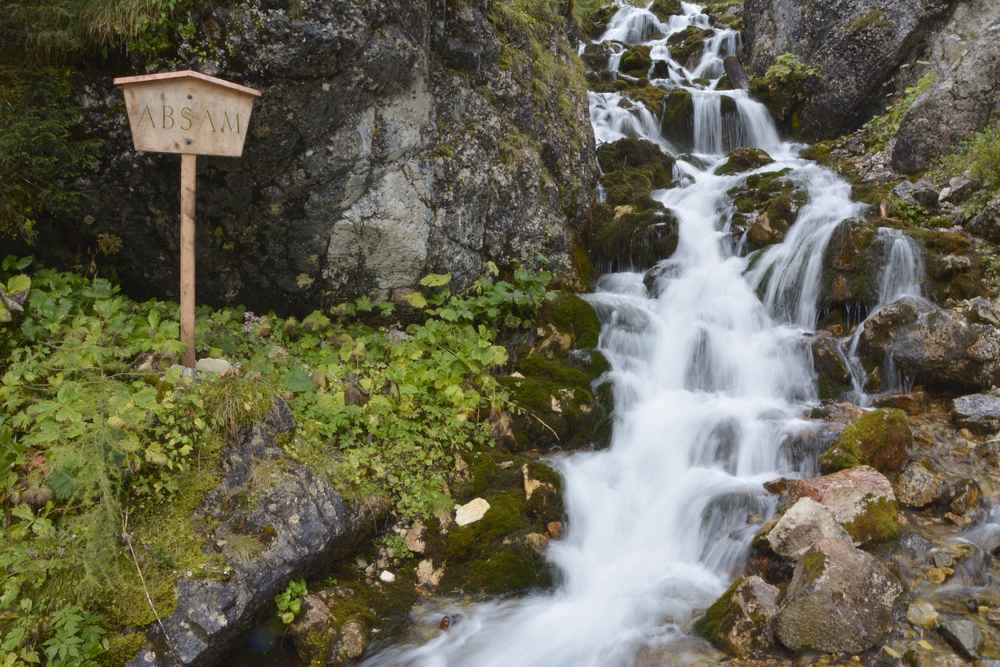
436	279
417	300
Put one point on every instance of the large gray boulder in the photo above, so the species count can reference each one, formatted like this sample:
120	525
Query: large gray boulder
965	97
840	600
857	46
298	523
392	140
948	348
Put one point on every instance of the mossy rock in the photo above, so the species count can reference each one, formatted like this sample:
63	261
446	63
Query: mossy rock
644	93
881	439
786	86
851	263
632	186
630	237
739	621
677	119
633	152
766	206
664	9
597	22
690	42
571	314
745	159
561	410
879	522
636	61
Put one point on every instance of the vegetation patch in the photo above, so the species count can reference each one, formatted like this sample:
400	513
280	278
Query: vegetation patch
784	88
881	129
881	439
107	451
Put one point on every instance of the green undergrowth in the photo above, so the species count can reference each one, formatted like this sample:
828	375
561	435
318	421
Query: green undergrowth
881	129
980	157
107	450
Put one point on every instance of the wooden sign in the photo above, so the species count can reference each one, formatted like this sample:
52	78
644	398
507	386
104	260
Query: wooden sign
191	114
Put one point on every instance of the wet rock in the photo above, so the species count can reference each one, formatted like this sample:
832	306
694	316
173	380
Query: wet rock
833	376
300	523
734	70
912	402
805	523
677	121
739	621
352	642
881	439
745	159
979	413
840	599
635	61
427	575
963	635
918	487
471	512
313	631
922	615
861	499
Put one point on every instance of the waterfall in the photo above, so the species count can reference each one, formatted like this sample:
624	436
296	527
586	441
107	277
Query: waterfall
903	271
902	276
710	380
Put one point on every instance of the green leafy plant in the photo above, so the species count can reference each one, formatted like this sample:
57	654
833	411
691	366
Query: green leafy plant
289	601
980	156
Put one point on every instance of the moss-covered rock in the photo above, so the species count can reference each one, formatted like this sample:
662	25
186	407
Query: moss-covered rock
633	152
739	621
784	89
881	439
744	159
622	237
850	278
597	22
664	9
553	383
687	46
766	205
636	61
677	120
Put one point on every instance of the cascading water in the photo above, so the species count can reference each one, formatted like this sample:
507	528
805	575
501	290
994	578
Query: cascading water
709	382
902	276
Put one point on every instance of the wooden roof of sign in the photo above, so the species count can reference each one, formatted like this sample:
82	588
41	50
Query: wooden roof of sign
184	74
187	112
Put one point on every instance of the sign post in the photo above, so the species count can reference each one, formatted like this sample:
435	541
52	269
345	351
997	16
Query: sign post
191	114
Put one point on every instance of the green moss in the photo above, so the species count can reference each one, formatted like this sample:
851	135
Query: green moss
122	648
685	44
812	565
785	87
571	314
507	569
881	439
677	121
877	523
664	9
874	19
714	625
636	61
881	129
745	159
631	152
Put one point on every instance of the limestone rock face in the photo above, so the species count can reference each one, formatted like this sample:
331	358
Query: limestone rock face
392	140
856	45
964	98
840	600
